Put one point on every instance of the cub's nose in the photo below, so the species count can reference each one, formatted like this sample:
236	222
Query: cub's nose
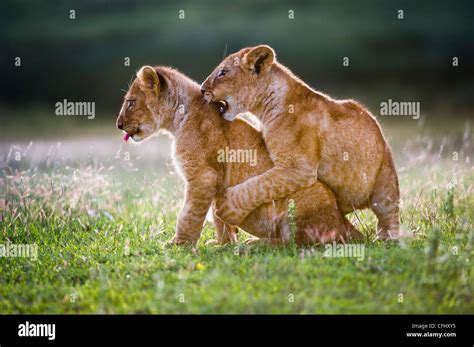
120	123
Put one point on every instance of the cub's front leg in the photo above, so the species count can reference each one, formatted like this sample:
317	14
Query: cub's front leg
296	161
225	233
280	181
199	195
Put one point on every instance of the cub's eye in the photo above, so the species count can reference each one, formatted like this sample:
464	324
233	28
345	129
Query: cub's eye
222	73
131	104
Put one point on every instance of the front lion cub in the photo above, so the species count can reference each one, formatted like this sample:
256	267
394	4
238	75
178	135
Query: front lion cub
163	98
309	136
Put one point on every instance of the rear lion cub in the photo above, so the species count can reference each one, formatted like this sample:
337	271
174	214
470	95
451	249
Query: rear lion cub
309	136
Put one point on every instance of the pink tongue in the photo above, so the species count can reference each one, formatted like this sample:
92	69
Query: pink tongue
126	137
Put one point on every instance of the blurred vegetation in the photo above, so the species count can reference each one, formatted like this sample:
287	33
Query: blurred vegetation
100	223
83	59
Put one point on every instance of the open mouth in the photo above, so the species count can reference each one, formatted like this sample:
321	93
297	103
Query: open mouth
226	110
131	134
223	106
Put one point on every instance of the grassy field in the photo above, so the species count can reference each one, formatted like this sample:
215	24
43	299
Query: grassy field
100	222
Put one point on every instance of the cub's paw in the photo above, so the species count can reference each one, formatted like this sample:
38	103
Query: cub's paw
253	241
175	241
231	217
215	242
386	236
228	211
212	242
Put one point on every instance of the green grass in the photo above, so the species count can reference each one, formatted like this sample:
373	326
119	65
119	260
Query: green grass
100	225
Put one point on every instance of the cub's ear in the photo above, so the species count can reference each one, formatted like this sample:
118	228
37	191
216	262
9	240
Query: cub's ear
259	59
149	78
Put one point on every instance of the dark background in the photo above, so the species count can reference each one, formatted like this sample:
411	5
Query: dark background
83	59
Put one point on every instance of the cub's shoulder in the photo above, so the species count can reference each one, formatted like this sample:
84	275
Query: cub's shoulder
354	109
351	105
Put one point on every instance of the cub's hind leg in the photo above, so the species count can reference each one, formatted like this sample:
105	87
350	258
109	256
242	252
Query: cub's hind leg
385	200
319	218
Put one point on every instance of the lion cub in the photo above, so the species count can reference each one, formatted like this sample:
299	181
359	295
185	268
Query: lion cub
163	98
309	136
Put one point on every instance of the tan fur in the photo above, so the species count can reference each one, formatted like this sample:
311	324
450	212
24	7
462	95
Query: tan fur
172	102
309	136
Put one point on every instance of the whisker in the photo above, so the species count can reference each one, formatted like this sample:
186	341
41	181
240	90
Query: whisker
131	81
225	52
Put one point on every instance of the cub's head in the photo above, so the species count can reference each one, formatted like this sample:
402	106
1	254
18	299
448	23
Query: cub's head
144	109
236	79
